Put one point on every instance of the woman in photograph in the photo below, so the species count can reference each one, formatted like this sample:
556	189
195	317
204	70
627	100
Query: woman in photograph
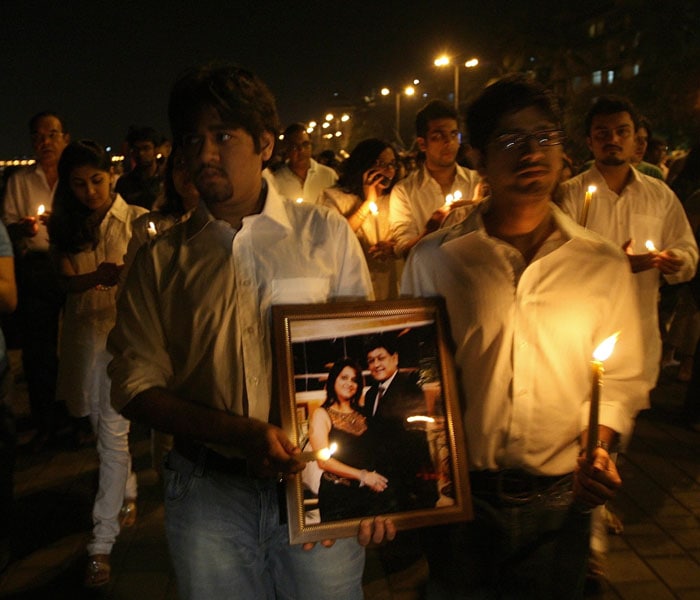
348	484
362	197
89	229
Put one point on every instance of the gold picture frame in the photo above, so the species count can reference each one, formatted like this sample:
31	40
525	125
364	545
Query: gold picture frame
422	454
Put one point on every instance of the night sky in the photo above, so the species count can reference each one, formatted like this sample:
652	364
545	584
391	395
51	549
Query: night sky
106	65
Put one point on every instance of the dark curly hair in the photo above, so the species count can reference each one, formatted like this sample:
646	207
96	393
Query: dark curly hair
362	158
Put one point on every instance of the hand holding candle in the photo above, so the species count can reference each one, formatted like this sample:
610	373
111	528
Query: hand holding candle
601	354
322	454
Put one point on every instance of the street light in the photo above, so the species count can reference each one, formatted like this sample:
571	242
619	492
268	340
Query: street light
409	90
445	61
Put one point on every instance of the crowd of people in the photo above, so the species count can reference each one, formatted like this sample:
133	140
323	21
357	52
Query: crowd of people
161	283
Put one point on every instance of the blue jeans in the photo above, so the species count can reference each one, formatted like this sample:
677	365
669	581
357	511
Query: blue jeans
226	541
533	550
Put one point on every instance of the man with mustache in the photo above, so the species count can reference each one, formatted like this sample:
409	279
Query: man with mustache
193	357
529	295
631	209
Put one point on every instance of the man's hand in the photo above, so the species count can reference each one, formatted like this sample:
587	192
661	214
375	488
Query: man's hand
376	531
383	250
596	481
28	227
639	262
668	263
270	452
436	219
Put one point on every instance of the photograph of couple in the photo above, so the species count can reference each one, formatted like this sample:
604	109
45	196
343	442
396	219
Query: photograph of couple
379	404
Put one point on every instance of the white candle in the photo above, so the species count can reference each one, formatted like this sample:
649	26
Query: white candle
322	454
586	204
600	354
374	209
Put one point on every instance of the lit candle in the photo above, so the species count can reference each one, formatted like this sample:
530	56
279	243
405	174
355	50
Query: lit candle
650	246
374	209
322	454
601	354
586	204
41	210
299	200
152	231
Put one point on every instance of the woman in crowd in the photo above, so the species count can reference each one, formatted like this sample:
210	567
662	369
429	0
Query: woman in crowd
348	483
362	197
89	229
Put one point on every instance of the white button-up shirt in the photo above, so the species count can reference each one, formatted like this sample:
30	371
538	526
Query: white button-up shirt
194	314
524	335
415	198
318	178
28	189
646	209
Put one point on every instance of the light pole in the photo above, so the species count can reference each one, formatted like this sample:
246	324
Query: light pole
445	61
409	90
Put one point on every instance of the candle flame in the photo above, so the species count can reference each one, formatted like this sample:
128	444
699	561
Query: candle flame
41	210
326	453
650	246
373	208
420	419
591	189
300	200
457	195
606	348
449	199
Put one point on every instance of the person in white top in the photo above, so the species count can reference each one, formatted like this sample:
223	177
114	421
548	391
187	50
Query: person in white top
301	176
41	298
524	329
89	231
637	212
419	202
192	351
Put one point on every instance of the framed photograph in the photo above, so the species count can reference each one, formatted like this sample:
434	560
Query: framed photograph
368	391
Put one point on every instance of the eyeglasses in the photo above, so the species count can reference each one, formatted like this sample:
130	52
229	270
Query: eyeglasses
516	141
605	134
299	147
385	165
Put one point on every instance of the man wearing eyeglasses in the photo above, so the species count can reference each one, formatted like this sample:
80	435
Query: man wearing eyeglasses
39	290
529	296
301	176
418	203
637	212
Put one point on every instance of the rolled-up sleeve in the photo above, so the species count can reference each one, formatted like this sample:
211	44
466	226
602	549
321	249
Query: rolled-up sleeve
137	343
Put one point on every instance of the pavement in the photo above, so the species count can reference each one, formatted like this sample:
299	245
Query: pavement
656	557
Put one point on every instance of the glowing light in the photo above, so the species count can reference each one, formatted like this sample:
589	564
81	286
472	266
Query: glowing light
299	200
329	117
385	91
345	118
41	210
373	208
605	349
409	90
312	123
322	454
420	419
152	231
442	61
650	246
471	63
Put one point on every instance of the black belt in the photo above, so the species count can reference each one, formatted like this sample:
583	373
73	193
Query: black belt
513	486
210	460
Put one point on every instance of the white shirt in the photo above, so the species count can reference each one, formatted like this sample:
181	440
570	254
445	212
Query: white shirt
415	198
646	209
27	189
524	336
318	178
194	314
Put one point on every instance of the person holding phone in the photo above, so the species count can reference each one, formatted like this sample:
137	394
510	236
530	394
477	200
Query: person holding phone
362	197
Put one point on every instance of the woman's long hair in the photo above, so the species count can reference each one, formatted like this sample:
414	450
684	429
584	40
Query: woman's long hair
70	227
360	160
337	367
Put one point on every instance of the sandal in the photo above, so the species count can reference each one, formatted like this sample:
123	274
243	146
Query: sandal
98	571
127	513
